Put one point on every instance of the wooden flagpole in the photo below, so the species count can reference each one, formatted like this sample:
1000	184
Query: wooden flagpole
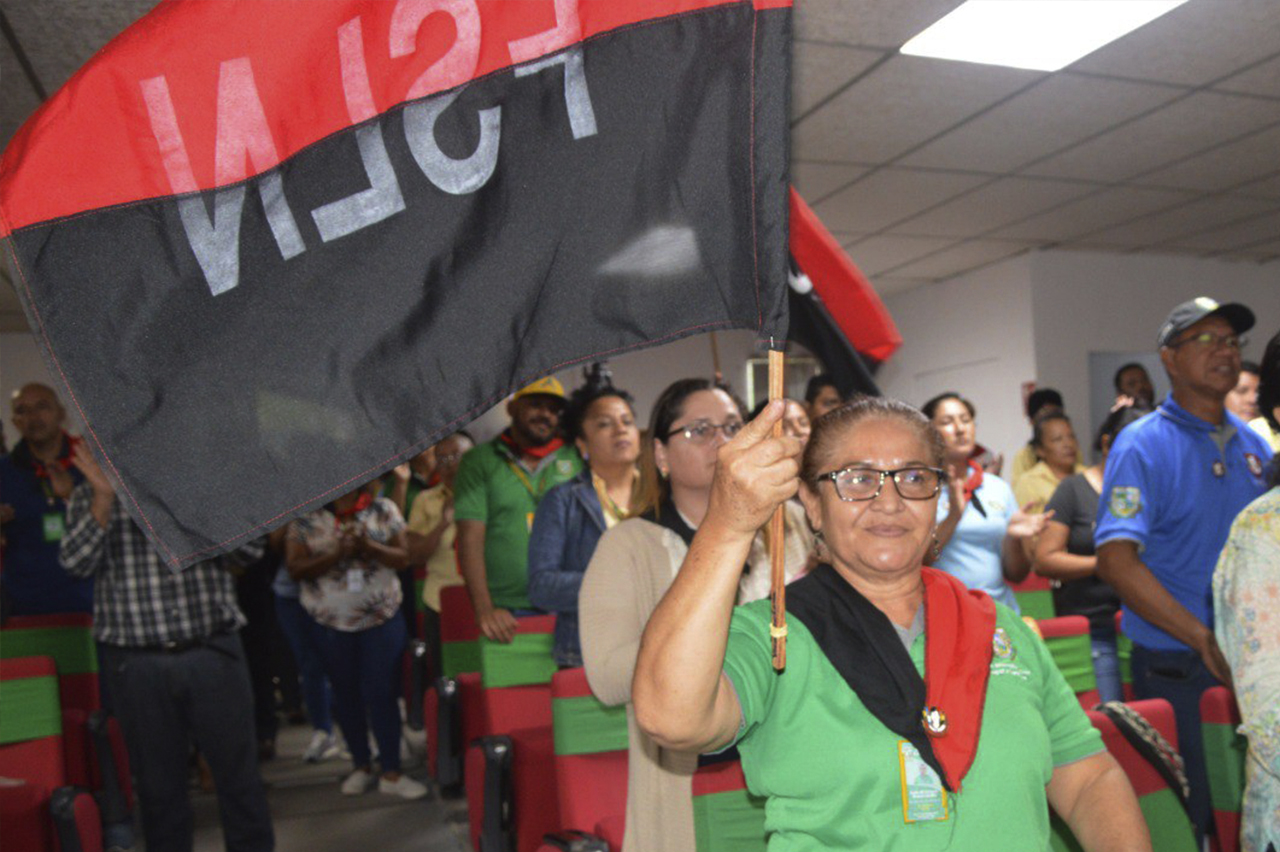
778	629
715	358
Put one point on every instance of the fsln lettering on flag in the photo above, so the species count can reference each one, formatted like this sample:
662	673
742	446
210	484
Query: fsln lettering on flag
273	249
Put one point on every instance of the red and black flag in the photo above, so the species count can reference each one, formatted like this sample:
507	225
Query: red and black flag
835	313
273	248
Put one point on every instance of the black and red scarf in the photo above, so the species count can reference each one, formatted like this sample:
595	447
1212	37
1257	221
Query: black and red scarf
23	456
864	648
971	486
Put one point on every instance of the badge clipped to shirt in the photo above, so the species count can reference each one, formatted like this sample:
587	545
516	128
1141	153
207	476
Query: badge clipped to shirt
355	580
923	797
55	526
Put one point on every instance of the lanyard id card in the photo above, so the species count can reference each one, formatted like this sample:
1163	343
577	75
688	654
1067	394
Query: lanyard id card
923	796
355	580
55	526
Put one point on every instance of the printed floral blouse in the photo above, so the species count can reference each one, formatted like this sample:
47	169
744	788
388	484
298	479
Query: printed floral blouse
357	593
1246	597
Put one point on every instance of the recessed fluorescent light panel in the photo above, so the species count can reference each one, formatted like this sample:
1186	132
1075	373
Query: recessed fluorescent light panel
1043	35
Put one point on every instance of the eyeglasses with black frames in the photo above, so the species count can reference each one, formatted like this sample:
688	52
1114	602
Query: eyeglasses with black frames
702	431
856	484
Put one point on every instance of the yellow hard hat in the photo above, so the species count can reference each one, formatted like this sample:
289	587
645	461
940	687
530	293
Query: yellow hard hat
549	386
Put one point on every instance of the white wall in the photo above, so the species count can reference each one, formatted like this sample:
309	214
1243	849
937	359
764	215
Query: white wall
20	363
1039	316
971	335
1084	302
644	374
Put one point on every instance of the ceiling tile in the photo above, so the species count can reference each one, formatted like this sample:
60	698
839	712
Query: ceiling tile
888	196
1262	79
1058	112
815	181
1184	127
60	37
1000	203
899	105
1086	215
961	258
1224	167
887	285
20	99
873	255
1231	237
1201	215
1268	187
873	23
820	69
1194	44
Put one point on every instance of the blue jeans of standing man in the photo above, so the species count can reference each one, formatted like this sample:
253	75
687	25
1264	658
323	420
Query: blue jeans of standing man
1106	668
1180	677
362	667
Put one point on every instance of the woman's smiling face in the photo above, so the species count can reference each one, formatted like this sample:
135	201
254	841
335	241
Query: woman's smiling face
886	536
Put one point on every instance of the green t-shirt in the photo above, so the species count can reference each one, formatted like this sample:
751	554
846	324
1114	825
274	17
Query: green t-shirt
831	770
488	489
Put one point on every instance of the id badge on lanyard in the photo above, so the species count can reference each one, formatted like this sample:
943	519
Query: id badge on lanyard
924	799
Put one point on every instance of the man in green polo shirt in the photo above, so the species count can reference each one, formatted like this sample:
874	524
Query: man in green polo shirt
496	493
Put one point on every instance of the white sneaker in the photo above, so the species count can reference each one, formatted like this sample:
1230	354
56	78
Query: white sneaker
404	787
357	783
323	746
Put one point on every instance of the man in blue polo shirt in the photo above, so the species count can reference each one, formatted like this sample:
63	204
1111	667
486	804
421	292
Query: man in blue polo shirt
1175	480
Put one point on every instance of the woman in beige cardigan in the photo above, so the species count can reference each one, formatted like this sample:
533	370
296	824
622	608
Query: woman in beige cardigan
632	567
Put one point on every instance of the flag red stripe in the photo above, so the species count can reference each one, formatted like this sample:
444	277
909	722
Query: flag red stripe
94	144
845	291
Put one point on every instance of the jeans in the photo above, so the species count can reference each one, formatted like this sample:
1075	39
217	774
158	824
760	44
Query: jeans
1106	667
362	667
1180	677
164	702
304	637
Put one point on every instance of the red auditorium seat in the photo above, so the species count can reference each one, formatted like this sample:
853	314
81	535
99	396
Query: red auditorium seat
459	632
1170	828
92	743
1067	638
1035	597
1124	651
590	758
519	801
68	638
32	762
726	818
1224	755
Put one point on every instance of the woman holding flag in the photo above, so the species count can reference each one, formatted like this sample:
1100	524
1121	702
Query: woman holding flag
888	730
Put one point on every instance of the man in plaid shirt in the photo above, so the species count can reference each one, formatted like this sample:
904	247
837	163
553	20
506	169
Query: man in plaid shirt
174	667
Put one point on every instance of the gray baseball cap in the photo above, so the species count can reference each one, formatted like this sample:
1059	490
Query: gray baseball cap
1189	313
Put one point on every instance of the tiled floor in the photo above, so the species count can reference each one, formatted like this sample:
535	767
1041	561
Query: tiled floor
312	816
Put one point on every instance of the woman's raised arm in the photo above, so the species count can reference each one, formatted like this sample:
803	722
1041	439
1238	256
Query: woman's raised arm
681	696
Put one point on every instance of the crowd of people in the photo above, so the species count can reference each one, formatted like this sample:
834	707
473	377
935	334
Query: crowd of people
902	547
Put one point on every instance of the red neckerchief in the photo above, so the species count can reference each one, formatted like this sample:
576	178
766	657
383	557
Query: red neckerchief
959	626
362	502
63	461
973	482
538	453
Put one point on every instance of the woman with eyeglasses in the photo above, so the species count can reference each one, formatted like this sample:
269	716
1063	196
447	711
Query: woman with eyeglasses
913	713
980	533
572	516
631	569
